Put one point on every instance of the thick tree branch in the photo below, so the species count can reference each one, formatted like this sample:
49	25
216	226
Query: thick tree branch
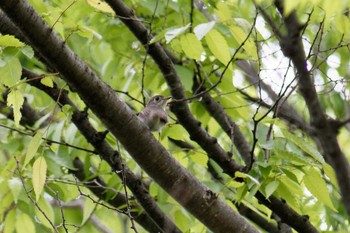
286	111
226	123
118	201
80	119
292	47
287	214
107	153
180	108
125	125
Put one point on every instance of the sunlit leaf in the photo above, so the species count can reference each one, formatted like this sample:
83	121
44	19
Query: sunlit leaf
199	158
271	188
28	51
89	207
47	81
218	46
47	209
100	6
191	46
317	186
24	224
202	29
174	32
39	176
240	36
328	170
11	72
10	221
10	41
182	221
305	146
245	175
186	76
222	11
16	187
15	100
33	148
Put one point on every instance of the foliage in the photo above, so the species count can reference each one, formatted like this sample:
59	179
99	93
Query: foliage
40	189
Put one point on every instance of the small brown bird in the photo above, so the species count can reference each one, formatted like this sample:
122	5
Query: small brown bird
154	114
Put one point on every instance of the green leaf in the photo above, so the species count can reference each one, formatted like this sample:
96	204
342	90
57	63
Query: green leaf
223	11
240	36
28	51
285	191
89	207
218	46
199	158
10	221
10	41
47	81
245	175
176	45
202	29
271	188
317	186
11	72
191	46
182	220
24	224
33	147
305	146
39	176
48	210
174	32
16	187
186	76
16	100
101	6
234	184
328	170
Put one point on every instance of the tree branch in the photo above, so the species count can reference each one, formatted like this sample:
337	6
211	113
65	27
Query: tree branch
125	125
292	47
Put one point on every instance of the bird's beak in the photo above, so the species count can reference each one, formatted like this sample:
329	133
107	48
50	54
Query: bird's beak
168	100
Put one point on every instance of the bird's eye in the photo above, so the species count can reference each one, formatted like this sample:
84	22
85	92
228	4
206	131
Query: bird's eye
157	98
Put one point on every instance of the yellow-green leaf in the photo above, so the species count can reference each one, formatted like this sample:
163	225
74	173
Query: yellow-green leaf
240	36
101	6
218	46
304	145
191	46
10	41
202	29
271	188
10	221
317	186
15	99
289	6
16	186
328	170
47	81
11	72
89	207
245	175
47	209
24	224
174	32
33	147
199	158
223	11
39	176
